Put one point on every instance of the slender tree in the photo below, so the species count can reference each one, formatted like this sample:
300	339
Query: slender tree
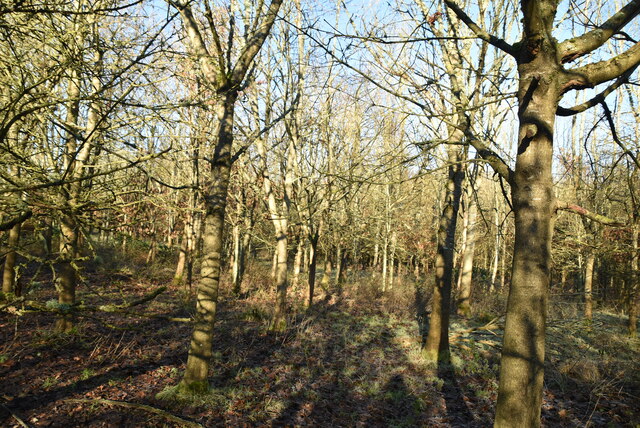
224	70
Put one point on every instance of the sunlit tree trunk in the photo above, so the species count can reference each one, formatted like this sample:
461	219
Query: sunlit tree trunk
215	199
466	270
588	285
297	263
437	344
533	198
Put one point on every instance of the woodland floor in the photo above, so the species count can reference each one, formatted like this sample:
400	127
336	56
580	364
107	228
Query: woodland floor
353	360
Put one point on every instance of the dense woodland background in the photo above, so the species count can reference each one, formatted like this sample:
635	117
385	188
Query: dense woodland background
314	202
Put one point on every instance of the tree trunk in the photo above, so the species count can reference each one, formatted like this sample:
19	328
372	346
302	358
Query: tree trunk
392	261
385	261
466	272
235	259
437	344
588	286
503	269
184	255
297	263
496	250
67	276
338	262
634	298
344	257
244	251
279	318
200	348
313	262
9	272
522	363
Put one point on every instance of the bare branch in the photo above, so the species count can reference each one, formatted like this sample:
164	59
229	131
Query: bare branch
16	220
576	47
599	218
591	75
253	45
481	33
562	111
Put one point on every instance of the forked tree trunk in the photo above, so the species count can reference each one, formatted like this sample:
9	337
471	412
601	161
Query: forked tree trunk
437	344
200	348
522	363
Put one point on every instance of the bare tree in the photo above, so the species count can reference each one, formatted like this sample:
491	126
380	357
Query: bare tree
543	80
224	70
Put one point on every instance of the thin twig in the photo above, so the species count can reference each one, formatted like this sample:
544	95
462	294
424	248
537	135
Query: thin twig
20	421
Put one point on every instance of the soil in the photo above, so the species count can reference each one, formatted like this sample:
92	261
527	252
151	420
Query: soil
348	361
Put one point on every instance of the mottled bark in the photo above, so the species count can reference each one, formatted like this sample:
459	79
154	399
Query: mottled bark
215	199
522	363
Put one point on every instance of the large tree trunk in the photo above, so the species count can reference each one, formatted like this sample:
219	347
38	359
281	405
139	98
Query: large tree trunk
522	363
200	348
437	344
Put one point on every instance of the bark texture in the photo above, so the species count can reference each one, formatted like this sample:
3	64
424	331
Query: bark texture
201	345
522	363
